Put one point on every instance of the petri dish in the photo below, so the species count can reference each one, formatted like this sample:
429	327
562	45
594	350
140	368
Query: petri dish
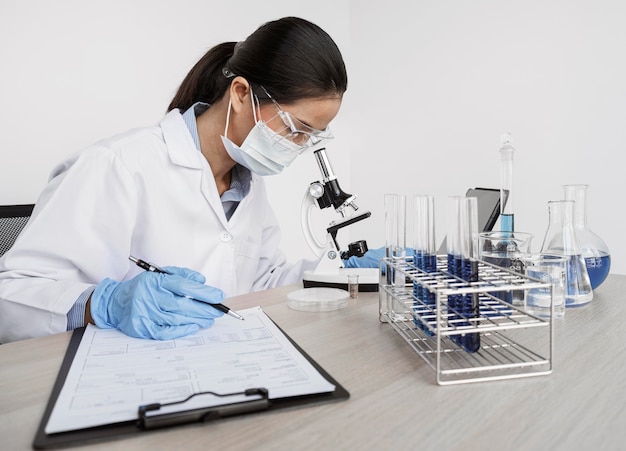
318	299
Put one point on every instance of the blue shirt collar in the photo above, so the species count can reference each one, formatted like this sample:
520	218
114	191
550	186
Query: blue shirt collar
190	116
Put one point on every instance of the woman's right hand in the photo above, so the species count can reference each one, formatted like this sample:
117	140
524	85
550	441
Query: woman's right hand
156	305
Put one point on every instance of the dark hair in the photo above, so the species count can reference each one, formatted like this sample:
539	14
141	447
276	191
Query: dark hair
290	57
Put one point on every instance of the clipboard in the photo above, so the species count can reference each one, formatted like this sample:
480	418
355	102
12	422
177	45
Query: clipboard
260	402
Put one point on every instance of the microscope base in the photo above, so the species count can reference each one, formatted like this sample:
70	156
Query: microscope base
368	279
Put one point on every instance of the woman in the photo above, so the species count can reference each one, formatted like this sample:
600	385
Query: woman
186	192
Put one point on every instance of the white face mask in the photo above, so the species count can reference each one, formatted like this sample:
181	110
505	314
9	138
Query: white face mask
262	152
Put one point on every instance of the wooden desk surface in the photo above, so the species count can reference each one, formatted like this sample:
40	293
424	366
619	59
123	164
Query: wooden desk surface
395	402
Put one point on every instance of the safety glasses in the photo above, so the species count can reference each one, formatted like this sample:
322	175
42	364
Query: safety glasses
291	128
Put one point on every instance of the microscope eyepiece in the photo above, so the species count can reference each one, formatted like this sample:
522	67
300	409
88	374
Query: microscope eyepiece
333	194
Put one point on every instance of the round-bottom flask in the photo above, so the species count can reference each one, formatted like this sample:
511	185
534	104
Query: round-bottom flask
594	250
561	239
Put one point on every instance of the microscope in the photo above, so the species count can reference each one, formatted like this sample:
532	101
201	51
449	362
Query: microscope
330	271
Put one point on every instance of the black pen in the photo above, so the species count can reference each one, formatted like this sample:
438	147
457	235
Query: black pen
154	268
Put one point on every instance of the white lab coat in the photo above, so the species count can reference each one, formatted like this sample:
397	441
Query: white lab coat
148	193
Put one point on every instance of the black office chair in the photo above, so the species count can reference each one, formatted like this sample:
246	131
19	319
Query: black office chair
13	218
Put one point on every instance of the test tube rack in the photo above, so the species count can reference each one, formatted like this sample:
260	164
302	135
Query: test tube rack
513	342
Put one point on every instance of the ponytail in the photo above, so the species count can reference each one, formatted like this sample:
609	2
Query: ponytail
205	82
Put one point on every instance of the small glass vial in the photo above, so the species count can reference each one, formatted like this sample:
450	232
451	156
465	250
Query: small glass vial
561	239
353	286
595	251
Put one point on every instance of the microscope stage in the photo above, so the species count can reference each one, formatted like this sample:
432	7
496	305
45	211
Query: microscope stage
368	278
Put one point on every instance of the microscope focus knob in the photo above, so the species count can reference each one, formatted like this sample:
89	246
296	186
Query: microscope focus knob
316	190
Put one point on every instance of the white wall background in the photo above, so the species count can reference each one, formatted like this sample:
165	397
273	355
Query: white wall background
75	71
433	84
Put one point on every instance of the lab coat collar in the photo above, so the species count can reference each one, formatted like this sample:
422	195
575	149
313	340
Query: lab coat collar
182	150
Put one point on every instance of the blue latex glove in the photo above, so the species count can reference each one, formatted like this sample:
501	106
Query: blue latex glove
370	259
155	305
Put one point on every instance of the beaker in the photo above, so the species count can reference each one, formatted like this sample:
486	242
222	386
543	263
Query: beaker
594	250
541	301
506	249
561	239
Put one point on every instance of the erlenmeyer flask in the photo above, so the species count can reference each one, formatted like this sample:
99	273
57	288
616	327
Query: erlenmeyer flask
595	251
561	239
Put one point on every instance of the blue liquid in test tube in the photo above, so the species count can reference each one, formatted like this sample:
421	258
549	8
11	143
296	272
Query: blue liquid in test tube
462	263
427	263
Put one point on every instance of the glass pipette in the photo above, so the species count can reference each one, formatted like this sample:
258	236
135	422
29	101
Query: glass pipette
507	220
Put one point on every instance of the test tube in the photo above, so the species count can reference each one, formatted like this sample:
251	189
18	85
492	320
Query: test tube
469	306
453	236
395	233
453	255
425	257
462	263
469	238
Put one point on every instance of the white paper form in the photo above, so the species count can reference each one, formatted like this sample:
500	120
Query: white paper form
113	374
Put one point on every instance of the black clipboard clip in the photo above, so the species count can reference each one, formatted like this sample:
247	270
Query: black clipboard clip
148	421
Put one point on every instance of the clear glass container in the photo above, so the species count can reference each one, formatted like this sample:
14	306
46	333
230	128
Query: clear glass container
561	239
594	249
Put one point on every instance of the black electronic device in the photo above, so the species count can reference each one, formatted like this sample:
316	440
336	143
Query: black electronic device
488	200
